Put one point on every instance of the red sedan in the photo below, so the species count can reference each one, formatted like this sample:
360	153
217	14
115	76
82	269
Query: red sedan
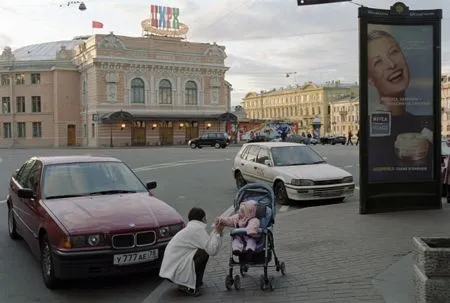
88	216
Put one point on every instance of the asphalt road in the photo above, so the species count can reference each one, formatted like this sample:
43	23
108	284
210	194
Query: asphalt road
186	178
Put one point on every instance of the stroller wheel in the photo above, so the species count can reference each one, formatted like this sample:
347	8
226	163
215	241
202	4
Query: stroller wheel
229	282
237	282
262	283
244	269
271	283
283	268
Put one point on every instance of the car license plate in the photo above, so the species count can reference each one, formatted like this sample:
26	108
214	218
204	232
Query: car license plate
135	258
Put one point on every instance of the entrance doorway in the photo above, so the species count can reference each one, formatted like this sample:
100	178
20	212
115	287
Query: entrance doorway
166	133
191	130
138	134
71	135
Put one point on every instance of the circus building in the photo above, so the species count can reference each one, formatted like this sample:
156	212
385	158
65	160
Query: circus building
112	90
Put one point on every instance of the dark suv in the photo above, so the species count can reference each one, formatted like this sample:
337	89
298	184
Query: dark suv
218	140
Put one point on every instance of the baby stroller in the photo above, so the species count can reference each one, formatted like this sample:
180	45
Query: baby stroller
265	248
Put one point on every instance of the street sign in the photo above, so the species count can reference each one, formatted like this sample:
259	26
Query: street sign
312	2
400	114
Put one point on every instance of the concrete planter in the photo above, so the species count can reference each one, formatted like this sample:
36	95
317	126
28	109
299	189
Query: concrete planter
432	270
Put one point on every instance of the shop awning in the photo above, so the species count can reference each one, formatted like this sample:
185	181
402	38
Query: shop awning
119	116
126	116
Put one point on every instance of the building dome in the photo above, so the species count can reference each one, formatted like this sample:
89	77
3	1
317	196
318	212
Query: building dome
44	51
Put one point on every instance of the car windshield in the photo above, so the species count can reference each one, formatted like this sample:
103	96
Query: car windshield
87	179
295	155
445	149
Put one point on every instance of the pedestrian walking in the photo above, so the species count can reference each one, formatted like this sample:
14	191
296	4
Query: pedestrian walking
350	135
357	138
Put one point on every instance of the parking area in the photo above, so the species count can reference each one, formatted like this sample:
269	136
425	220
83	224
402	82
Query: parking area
185	177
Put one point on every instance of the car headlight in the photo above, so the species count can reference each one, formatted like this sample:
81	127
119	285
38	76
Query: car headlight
171	230
87	241
302	182
347	180
189	142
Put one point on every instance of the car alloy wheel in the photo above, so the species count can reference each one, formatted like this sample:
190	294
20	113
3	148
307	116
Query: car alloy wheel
47	269
217	145
280	193
12	230
193	146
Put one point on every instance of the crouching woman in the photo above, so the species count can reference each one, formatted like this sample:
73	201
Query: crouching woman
188	252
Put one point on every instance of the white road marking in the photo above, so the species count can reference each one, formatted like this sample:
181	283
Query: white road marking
226	213
176	164
348	166
181	197
283	208
2	201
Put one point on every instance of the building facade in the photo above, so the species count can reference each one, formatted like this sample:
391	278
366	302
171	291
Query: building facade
109	90
445	106
302	104
344	114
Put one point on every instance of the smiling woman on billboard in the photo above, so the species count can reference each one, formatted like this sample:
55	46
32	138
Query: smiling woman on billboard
401	121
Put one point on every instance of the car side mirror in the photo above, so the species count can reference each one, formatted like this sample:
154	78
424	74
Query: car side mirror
25	193
151	185
267	162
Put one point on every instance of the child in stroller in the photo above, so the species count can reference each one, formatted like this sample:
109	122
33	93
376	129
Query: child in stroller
245	218
257	202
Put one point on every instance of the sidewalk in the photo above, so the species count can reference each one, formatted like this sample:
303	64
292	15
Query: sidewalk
332	254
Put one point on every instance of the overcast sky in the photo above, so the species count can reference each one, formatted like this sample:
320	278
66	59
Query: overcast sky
264	39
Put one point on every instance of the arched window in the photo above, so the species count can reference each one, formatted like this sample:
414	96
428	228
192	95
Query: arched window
137	91
191	93
165	92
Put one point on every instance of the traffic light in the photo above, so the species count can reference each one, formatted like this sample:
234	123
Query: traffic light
311	2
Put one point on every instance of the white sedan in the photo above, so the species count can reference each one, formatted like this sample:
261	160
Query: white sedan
294	170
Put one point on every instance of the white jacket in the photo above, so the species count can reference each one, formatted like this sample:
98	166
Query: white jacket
178	261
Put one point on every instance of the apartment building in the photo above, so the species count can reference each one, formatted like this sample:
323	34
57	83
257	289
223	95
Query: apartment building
344	113
110	90
302	104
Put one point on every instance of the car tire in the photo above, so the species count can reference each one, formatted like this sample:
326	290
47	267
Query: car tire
193	146
217	145
280	193
47	264
240	181
12	228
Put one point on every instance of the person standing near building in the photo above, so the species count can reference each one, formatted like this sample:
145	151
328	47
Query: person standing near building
357	138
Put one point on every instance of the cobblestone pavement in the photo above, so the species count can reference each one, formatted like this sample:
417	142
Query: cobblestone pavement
332	254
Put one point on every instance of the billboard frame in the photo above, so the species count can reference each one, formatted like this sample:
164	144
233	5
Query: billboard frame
386	197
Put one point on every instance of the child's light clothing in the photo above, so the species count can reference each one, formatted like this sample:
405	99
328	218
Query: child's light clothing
245	218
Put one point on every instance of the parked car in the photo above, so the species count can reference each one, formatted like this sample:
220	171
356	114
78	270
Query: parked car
445	154
88	216
300	139
294	170
333	140
259	138
218	140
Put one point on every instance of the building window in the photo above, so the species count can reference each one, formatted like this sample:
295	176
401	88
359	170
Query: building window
5	80
137	91
20	79
93	130
191	93
21	130
7	130
37	129
20	104
36	104
6	105
165	92
35	78
215	95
